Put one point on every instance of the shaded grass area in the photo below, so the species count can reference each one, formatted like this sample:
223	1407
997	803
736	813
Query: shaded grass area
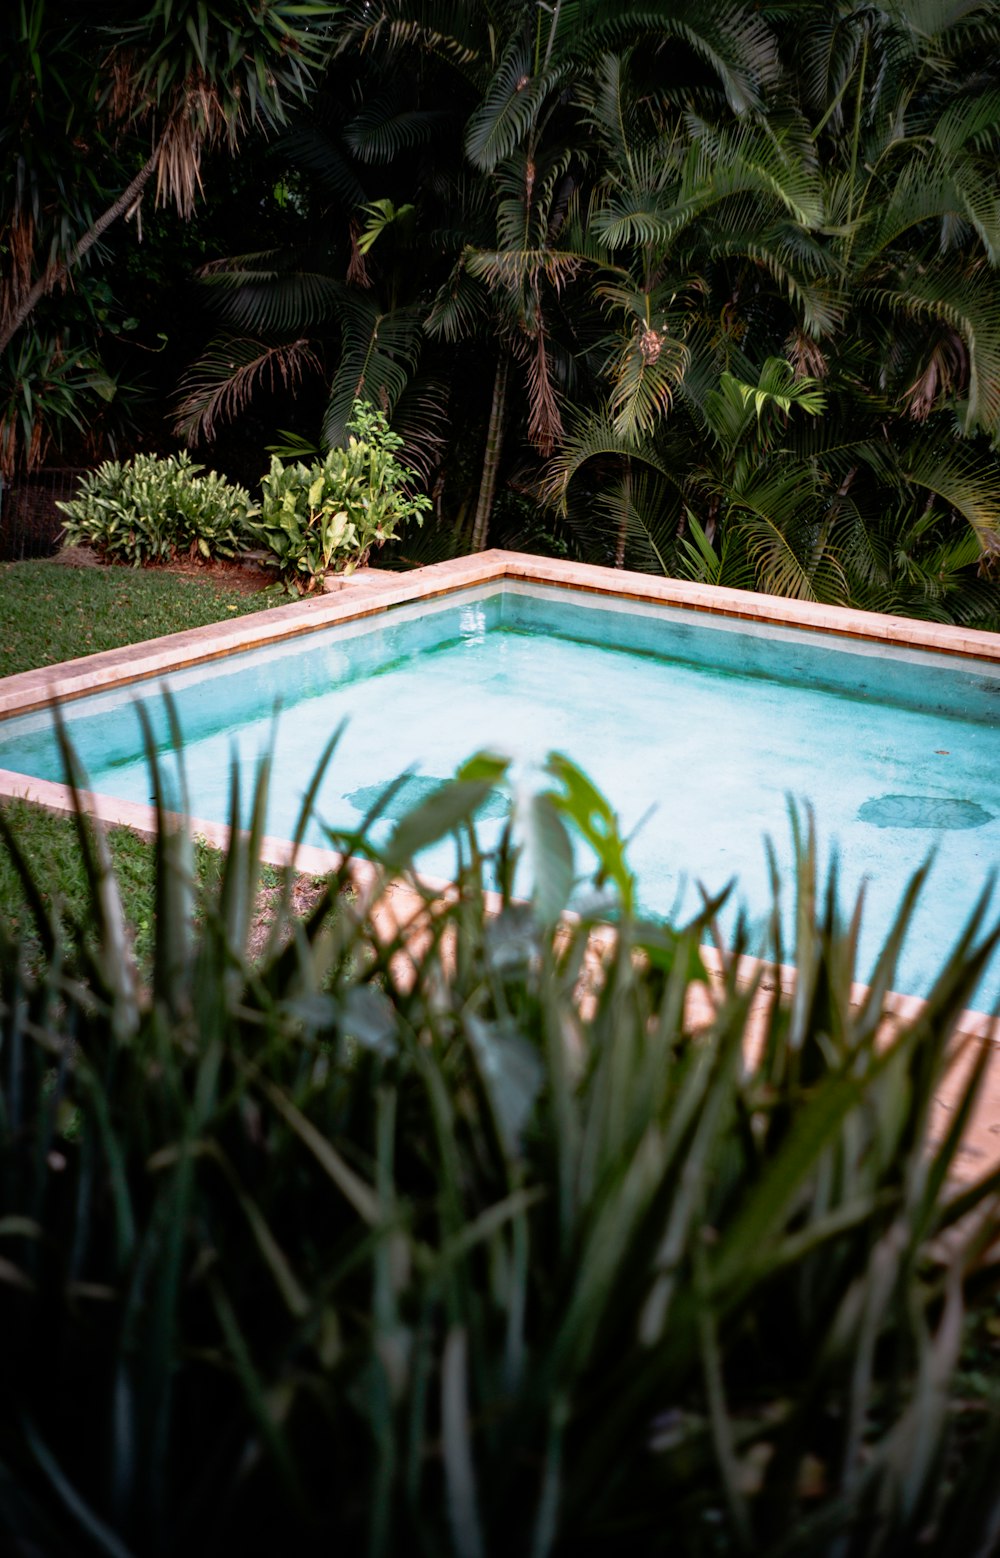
51	848
50	612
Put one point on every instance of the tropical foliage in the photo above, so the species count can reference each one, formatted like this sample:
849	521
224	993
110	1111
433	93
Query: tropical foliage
328	516
150	509
462	1238
565	234
99	111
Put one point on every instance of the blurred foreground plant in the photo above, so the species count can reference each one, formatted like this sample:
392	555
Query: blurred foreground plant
455	1239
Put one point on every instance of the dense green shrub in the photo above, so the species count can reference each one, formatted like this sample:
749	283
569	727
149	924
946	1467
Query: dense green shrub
466	1245
152	508
328	516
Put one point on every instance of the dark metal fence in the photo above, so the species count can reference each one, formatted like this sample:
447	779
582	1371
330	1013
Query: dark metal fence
30	523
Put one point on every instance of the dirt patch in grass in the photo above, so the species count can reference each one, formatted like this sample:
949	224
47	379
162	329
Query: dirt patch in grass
306	891
243	578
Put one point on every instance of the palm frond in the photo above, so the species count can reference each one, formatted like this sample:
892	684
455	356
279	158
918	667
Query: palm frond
649	367
545	425
421	419
791	553
642	510
928	192
271	300
607	102
735	406
382	130
221	384
735	42
512	269
696	558
965	298
775	162
447	32
803	272
969	122
526	186
964	480
313	149
509	107
379	354
460	306
595	437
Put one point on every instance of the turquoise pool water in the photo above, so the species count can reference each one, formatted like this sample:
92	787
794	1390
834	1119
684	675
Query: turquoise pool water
696	728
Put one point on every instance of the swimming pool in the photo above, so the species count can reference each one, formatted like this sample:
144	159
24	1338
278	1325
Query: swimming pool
698	725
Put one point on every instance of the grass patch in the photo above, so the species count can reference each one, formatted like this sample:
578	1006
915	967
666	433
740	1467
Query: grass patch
50	612
50	846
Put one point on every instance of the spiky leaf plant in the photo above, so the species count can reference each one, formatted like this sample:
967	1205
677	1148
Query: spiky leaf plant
462	1238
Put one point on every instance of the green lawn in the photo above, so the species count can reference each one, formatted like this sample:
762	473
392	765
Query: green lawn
50	612
51	848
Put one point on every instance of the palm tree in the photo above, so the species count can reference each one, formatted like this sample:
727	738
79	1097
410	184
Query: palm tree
850	229
354	295
532	151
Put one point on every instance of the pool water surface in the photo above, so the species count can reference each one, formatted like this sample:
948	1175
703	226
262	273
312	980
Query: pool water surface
698	732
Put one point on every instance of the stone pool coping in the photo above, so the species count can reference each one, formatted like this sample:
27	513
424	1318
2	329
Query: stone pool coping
370	592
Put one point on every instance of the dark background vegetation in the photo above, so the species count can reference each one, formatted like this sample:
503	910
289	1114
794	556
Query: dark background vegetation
558	245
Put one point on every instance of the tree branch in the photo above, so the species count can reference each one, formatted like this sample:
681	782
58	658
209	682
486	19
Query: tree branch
54	274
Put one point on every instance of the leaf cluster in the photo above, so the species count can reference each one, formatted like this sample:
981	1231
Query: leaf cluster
152	508
328	516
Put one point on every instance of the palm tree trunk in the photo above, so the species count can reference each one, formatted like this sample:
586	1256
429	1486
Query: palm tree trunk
626	503
491	457
53	275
